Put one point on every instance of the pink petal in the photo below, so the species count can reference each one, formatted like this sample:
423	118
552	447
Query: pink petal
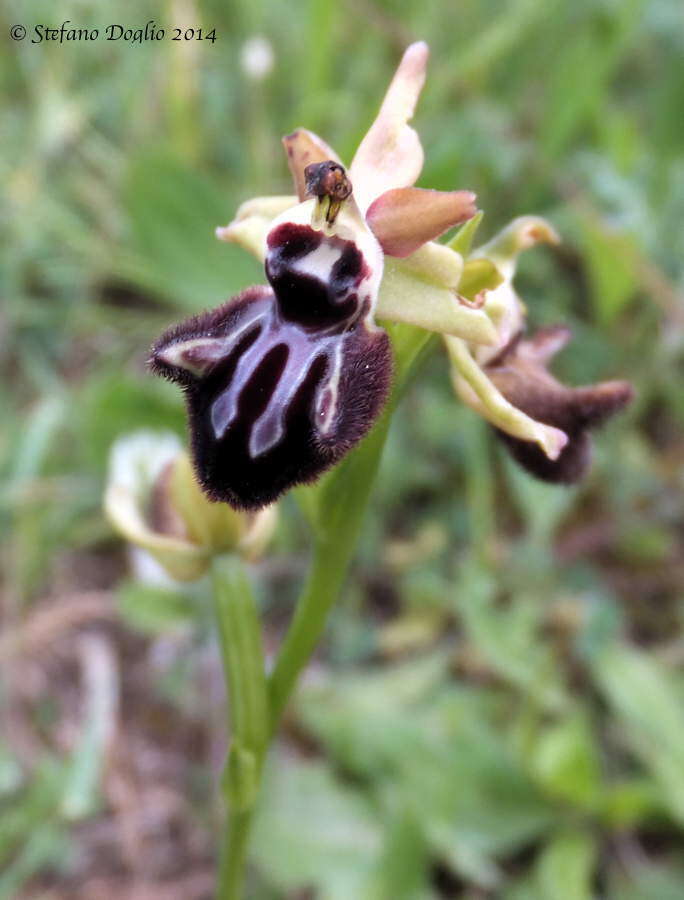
390	155
303	148
403	219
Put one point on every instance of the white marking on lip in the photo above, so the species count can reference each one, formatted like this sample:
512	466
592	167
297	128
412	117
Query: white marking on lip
225	408
331	389
269	428
319	263
214	348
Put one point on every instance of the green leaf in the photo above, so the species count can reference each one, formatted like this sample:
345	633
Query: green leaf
649	881
82	788
38	803
565	867
628	804
566	764
46	846
612	259
311	832
433	752
40	429
542	505
403	869
648	705
173	212
580	76
154	610
507	637
113	403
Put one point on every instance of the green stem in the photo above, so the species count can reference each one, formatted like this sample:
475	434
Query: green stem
342	499
243	665
255	704
233	858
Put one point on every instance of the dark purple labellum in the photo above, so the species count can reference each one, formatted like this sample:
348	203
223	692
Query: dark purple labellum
281	382
520	373
570	467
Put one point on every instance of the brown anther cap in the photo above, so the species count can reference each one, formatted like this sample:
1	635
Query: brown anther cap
327	179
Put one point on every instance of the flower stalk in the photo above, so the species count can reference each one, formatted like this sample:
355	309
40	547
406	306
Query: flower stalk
334	546
242	655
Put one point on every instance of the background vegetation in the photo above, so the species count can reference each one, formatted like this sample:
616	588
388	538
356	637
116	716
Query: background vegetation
498	709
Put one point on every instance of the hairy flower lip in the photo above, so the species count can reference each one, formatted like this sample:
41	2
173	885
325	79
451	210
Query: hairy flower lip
274	400
520	372
203	335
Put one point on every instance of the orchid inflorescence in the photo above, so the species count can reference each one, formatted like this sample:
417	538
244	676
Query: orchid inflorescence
283	380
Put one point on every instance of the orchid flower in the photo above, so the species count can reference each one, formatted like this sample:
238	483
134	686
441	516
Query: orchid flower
282	381
543	423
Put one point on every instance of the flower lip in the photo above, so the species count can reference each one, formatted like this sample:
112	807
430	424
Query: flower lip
271	402
520	372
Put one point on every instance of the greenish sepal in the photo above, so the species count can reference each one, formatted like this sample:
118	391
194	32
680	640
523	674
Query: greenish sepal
462	241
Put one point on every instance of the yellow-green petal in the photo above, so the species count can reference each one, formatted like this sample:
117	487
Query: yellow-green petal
479	275
477	391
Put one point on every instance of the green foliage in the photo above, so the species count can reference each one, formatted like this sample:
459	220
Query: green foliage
648	706
155	610
337	840
169	206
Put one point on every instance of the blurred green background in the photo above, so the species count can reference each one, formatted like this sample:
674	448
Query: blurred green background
498	709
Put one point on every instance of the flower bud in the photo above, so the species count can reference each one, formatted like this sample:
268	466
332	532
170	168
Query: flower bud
153	500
